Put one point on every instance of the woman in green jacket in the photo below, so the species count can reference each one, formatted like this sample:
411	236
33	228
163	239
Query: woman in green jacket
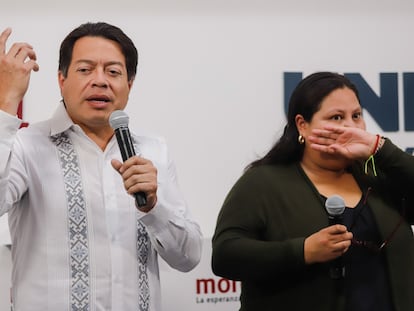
273	232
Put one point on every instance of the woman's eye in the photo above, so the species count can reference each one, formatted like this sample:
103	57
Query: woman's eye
357	115
337	117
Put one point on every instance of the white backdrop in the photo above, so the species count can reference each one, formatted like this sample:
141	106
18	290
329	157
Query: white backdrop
210	73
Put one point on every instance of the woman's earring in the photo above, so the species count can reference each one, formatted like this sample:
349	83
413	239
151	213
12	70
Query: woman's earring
301	139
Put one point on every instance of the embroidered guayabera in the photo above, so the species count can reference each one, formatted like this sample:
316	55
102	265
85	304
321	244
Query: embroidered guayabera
77	223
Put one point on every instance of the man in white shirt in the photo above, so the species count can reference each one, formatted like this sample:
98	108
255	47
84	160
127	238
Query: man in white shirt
79	241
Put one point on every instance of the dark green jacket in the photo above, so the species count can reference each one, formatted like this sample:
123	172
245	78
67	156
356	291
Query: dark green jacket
261	228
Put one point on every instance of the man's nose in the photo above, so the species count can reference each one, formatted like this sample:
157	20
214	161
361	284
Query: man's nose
99	78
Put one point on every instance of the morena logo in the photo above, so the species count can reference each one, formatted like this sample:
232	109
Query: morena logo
20	115
213	285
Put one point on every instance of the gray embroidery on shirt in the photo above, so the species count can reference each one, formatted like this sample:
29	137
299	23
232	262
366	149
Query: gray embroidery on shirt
143	249
78	233
77	224
143	246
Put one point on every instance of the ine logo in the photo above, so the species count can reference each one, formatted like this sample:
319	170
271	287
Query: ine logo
383	107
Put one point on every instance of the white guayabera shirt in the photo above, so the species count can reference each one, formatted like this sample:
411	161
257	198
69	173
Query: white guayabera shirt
75	232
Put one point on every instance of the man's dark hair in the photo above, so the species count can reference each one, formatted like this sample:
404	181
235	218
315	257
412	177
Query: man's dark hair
103	30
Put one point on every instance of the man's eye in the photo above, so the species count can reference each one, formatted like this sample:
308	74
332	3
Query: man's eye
337	117
83	70
113	72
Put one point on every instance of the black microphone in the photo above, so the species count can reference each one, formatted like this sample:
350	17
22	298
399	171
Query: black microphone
119	122
335	206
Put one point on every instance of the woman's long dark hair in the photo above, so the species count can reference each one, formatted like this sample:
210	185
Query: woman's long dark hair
305	100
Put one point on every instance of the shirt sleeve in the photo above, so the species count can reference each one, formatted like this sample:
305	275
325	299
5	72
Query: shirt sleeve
397	164
395	171
250	241
9	126
175	235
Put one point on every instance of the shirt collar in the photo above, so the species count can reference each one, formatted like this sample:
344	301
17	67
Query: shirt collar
60	121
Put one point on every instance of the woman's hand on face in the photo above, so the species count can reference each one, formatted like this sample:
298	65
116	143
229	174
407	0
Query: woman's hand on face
349	142
327	244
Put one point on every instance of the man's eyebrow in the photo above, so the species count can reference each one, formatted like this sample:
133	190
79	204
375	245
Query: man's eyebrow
109	63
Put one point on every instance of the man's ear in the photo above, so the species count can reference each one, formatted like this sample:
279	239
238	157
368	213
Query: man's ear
61	80
131	83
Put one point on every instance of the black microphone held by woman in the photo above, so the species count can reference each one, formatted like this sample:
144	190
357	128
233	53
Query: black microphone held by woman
335	207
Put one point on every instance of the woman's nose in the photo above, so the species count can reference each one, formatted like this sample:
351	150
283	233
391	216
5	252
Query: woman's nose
349	122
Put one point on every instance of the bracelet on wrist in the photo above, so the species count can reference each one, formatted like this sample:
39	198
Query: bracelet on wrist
374	150
380	144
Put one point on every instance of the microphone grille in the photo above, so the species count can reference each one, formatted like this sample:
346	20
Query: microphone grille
335	205
118	118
